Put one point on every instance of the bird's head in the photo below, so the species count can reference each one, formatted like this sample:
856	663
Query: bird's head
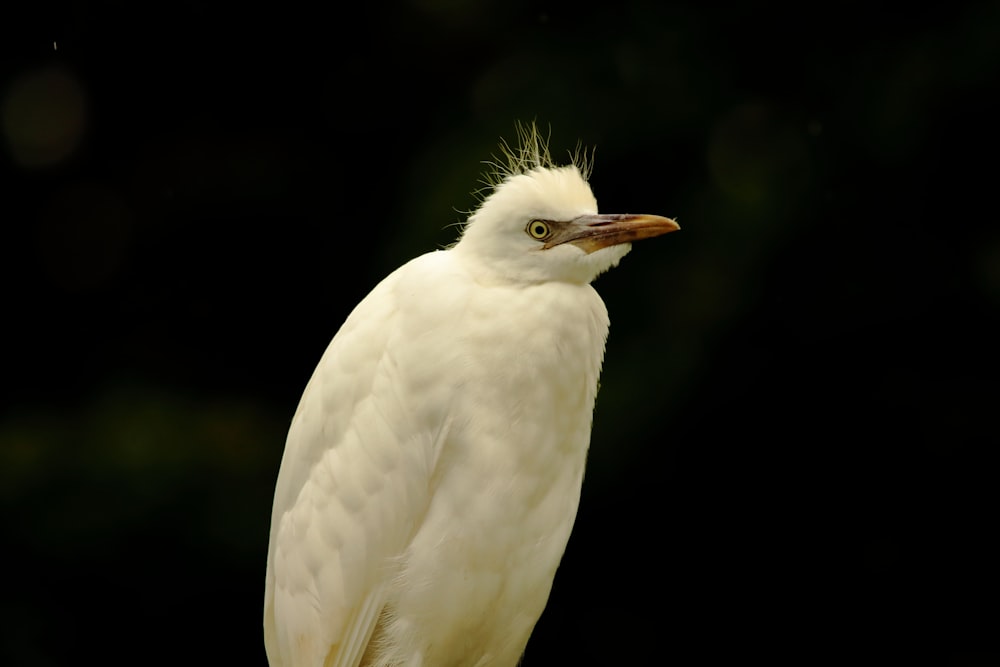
540	222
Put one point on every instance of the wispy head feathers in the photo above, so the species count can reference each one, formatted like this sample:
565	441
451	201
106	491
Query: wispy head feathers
531	152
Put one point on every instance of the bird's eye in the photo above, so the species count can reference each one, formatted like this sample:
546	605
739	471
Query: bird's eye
538	229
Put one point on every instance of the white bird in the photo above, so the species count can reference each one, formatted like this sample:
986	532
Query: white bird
432	471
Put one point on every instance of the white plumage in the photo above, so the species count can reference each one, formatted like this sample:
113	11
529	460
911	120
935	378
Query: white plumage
432	471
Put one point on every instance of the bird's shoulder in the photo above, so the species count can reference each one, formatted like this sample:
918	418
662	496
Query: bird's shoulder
361	365
353	479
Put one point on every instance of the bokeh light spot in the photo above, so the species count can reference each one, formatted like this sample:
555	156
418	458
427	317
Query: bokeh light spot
756	156
43	117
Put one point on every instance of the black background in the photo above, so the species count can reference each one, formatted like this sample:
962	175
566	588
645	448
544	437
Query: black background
793	452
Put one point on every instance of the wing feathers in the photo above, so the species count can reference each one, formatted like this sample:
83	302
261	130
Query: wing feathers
358	631
353	488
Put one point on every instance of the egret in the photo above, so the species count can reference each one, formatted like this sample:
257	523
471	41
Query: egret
432	470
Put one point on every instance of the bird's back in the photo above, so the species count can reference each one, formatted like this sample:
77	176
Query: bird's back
432	472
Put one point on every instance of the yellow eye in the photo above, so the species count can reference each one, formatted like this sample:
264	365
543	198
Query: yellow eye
538	229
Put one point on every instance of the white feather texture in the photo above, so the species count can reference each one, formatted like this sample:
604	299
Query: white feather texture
432	471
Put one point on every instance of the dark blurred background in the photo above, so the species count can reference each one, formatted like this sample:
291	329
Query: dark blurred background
793	453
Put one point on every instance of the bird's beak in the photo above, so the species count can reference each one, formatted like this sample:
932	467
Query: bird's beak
593	232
